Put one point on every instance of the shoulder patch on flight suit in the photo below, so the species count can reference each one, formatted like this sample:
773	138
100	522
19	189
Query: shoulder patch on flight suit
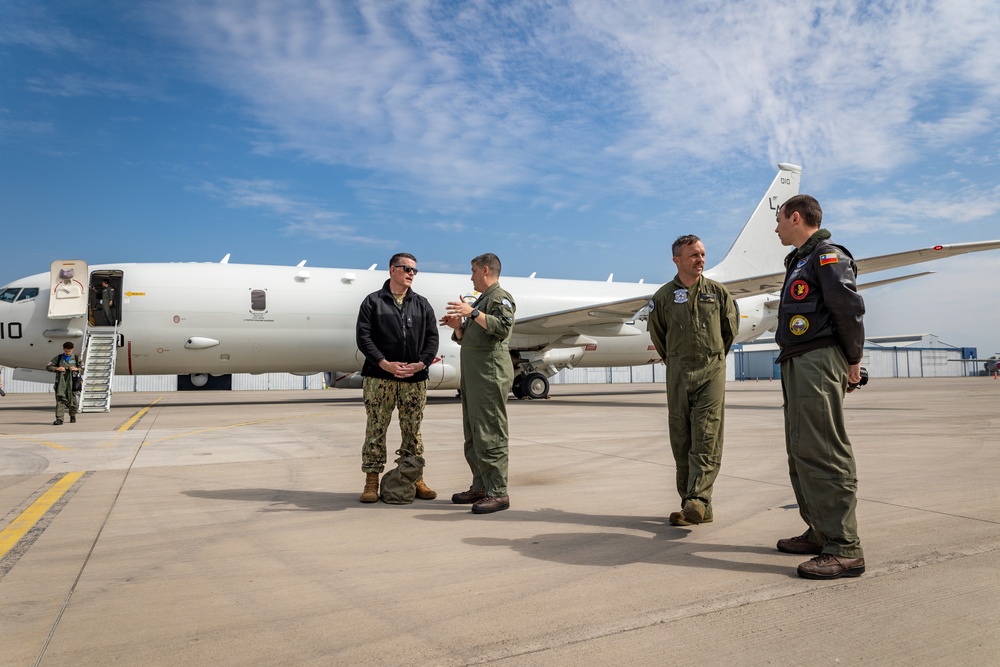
798	325
828	258
650	305
680	296
506	302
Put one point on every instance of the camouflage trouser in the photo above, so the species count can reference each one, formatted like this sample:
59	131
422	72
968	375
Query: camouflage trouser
381	397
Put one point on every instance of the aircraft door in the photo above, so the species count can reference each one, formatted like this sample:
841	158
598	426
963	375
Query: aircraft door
67	293
106	299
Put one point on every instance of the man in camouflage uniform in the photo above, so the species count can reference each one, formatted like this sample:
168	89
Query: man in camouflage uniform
693	322
65	365
397	333
483	330
821	334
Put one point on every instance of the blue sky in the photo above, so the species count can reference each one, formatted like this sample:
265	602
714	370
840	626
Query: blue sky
574	139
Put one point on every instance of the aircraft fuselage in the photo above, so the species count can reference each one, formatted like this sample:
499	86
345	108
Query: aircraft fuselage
182	318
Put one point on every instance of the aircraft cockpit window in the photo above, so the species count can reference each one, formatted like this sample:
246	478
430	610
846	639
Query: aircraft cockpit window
9	294
258	300
27	293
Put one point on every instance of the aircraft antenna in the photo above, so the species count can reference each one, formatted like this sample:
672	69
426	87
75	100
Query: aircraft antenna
225	260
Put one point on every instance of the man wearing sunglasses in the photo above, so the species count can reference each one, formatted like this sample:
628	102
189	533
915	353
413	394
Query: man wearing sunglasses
397	333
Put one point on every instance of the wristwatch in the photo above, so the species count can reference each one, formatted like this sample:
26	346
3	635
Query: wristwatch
474	314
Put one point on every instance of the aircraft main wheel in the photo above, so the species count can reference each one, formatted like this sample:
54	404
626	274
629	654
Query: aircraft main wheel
518	387
535	385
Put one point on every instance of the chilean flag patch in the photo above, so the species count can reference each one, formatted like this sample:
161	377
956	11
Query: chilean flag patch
827	258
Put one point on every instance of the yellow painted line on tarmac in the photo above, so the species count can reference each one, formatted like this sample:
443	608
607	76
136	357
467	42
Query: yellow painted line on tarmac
218	428
137	416
46	443
20	526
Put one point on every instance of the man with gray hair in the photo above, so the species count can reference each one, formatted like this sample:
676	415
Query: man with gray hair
693	322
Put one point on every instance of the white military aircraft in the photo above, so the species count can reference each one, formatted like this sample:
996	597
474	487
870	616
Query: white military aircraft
220	318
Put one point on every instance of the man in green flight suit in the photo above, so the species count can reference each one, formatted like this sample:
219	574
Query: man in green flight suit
65	365
108	303
483	330
821	333
693	322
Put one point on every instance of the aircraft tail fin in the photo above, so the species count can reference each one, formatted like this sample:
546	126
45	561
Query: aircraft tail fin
757	250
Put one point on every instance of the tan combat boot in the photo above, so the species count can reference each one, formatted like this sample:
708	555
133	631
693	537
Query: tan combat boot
424	492
370	494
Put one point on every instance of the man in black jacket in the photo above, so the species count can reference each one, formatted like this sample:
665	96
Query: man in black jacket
821	334
397	333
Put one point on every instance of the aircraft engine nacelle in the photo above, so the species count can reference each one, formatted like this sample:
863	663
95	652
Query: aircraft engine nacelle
352	380
562	357
439	376
442	376
758	314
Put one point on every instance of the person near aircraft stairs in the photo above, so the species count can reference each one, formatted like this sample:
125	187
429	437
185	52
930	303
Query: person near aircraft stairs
67	367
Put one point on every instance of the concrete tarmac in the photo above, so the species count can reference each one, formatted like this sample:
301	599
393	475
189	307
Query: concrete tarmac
225	529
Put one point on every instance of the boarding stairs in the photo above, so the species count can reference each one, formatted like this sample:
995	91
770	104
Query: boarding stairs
98	369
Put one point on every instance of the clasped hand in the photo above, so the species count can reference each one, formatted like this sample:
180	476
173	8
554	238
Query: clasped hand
401	369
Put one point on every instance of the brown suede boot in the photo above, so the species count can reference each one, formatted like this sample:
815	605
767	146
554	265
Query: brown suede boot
370	494
424	492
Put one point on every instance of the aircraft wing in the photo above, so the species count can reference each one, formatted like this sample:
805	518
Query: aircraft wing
611	313
889	281
764	284
883	262
772	282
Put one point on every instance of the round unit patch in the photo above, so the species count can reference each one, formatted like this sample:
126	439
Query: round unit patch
798	325
799	290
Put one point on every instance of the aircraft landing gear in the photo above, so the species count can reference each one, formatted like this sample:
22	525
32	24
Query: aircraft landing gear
518	387
530	385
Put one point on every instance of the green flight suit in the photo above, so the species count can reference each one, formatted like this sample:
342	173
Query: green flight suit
821	332
65	396
109	306
487	376
692	330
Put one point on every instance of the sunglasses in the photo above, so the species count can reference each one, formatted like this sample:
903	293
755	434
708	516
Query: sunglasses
409	269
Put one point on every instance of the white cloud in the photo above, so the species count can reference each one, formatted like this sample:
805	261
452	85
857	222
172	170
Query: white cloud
458	102
299	216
